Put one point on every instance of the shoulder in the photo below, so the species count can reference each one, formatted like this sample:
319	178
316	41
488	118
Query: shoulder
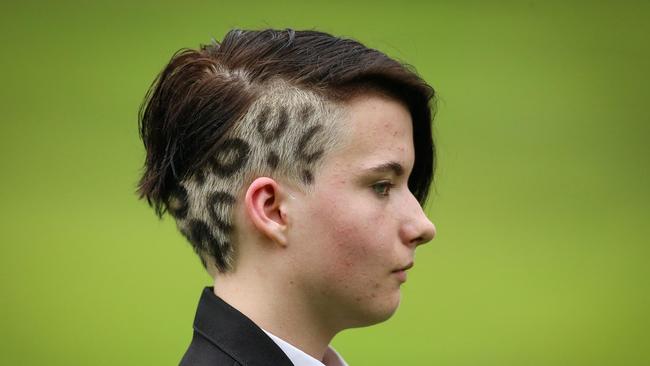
202	352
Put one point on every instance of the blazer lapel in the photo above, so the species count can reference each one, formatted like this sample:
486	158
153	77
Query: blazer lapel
235	333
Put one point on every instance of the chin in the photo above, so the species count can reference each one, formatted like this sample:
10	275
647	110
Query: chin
377	311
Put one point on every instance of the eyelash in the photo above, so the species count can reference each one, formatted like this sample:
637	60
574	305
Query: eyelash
384	184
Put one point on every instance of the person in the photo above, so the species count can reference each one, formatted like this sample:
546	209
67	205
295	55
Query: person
296	164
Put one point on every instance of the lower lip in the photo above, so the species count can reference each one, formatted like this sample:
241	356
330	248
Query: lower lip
401	275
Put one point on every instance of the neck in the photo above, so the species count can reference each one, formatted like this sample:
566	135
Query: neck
277	305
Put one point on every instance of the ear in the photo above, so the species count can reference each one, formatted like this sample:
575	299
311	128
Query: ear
265	206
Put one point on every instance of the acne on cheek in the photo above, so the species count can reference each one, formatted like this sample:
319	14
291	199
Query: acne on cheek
345	253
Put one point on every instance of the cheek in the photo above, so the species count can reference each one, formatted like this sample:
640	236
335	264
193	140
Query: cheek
351	239
356	271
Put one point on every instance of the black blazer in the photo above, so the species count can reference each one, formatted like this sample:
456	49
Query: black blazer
225	337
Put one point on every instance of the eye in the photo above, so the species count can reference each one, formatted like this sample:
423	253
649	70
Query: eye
382	188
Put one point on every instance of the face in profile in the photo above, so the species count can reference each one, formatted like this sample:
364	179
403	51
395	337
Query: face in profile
360	222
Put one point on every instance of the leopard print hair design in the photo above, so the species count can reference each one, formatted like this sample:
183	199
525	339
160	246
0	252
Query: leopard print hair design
285	134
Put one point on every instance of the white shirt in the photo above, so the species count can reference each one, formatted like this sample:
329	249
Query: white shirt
300	358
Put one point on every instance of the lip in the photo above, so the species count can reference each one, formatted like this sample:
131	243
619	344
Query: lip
405	268
401	275
401	272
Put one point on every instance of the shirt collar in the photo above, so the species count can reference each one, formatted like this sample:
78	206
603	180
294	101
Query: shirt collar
300	358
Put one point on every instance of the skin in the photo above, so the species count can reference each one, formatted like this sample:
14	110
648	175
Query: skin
313	264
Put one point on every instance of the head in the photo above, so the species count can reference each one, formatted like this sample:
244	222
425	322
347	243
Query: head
313	149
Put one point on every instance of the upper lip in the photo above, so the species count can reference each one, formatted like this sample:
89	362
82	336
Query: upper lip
405	267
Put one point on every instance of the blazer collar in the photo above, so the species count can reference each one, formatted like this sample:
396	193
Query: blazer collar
235	333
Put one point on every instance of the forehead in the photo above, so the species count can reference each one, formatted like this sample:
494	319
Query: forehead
378	129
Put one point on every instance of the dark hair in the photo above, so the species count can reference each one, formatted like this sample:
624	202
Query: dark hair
201	93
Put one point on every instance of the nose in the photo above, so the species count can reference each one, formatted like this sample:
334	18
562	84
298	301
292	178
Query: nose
417	228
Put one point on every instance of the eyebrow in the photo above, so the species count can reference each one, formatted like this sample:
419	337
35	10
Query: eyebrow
391	166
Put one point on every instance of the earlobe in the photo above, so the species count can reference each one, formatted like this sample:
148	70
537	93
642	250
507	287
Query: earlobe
265	209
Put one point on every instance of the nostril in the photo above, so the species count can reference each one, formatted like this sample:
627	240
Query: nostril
417	241
427	234
421	240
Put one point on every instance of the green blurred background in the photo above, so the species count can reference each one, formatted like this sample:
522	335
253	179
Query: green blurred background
542	200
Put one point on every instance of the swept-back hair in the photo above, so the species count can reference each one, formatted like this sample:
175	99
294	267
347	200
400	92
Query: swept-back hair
191	114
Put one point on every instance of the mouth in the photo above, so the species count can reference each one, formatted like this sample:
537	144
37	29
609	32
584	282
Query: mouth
405	268
401	272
